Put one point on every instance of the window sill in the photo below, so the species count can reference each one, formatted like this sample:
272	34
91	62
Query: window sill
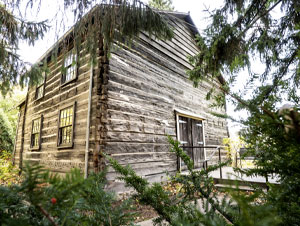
34	148
65	146
68	82
37	99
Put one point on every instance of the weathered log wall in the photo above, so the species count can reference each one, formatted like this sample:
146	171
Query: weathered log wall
56	159
135	94
147	82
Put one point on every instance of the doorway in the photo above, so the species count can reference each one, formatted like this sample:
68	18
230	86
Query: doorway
191	137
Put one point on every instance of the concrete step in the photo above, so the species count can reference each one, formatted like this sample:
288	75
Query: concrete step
240	183
227	186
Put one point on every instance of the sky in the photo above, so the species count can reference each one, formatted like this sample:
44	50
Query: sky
196	9
48	10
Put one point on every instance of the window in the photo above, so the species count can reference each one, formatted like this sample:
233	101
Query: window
36	134
191	135
70	67
66	126
40	90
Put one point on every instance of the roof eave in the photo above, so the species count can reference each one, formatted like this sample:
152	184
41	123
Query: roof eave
21	102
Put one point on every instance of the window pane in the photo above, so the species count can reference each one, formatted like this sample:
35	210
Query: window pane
36	126
65	124
39	92
70	73
66	117
68	59
66	133
70	67
36	140
35	134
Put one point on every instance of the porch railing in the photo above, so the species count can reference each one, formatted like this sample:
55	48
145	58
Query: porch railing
205	161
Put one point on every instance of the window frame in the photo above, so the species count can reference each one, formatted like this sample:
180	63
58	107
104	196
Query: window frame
39	86
185	114
36	148
63	74
71	145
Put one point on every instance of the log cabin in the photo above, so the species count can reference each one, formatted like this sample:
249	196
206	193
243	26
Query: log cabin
124	106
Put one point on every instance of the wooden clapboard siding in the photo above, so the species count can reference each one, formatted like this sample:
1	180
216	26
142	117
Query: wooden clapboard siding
55	98
147	82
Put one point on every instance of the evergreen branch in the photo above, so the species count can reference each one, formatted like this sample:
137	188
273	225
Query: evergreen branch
193	176
127	17
245	104
154	196
240	20
47	215
256	19
279	77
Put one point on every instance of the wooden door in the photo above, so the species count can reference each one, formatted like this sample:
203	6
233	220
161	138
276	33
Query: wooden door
198	141
185	128
191	135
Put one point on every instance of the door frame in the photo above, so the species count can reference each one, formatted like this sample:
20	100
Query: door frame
192	116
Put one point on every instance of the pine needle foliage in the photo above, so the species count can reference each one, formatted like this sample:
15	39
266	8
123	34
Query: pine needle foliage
13	30
111	20
8	106
197	202
241	30
240	34
162	4
47	199
94	20
6	133
245	31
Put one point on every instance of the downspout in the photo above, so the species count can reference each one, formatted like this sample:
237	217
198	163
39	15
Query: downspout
87	139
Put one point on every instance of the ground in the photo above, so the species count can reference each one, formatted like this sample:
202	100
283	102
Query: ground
144	213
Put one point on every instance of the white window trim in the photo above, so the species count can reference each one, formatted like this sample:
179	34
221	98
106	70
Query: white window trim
189	114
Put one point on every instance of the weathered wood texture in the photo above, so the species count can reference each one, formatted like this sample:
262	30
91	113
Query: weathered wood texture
101	107
135	94
57	97
147	82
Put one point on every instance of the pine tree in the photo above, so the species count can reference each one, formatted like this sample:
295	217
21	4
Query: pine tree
8	106
197	192
44	198
240	33
161	4
108	19
14	29
6	133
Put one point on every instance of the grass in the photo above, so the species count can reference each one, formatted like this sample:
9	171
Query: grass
9	174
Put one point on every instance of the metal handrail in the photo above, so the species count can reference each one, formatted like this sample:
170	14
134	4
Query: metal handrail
208	159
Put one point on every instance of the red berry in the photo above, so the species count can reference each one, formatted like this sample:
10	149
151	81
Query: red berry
53	200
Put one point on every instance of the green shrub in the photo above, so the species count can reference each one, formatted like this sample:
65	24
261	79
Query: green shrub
9	118
198	192
6	133
47	199
8	172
